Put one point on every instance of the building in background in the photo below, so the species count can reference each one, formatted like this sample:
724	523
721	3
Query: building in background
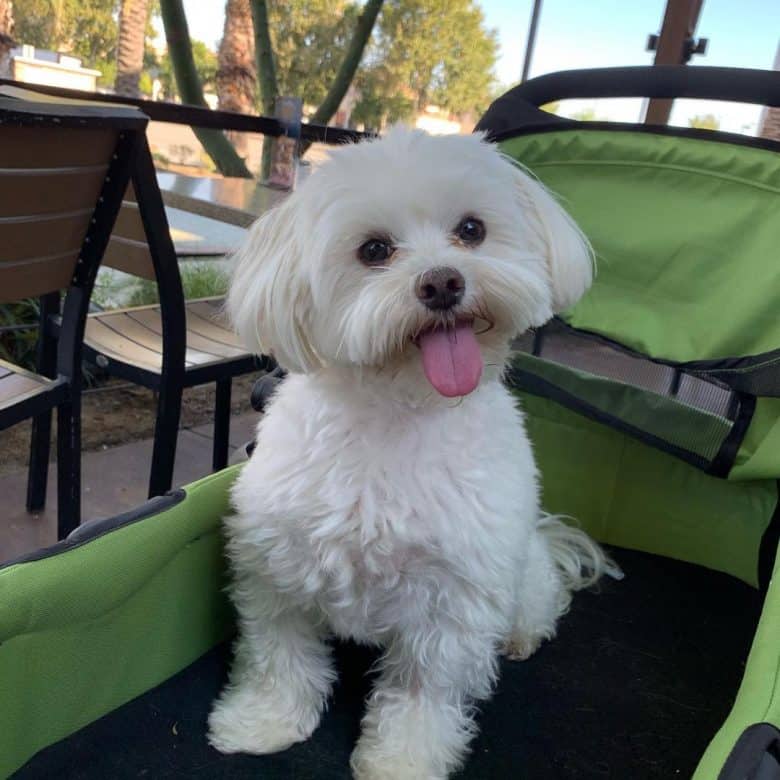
50	68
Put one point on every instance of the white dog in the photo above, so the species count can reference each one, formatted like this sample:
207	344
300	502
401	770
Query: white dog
392	497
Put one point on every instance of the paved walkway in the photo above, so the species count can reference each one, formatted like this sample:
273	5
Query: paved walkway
113	481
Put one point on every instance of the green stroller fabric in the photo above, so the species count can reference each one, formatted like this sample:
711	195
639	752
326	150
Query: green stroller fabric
127	603
686	238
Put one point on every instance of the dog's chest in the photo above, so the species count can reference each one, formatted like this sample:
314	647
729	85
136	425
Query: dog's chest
365	514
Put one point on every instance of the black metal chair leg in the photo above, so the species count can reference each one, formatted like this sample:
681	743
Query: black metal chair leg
221	425
37	475
68	467
46	364
166	432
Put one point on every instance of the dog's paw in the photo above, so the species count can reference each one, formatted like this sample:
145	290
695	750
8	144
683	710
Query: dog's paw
237	725
368	763
258	738
521	648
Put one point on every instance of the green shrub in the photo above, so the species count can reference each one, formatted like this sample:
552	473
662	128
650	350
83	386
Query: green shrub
198	280
18	346
204	281
111	288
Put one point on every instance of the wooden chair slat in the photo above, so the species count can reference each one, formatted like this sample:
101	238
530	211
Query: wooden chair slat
49	193
14	386
214	328
23	238
129	224
134	336
130	257
207	318
196	343
48	147
139	326
103	339
130	329
31	279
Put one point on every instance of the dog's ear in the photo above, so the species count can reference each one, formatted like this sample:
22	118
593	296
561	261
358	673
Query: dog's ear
270	297
568	252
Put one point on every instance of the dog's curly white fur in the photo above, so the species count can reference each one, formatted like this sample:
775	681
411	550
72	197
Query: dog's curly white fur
374	508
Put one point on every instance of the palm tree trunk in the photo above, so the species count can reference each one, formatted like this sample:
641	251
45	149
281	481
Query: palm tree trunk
6	18
130	47
236	72
6	37
177	35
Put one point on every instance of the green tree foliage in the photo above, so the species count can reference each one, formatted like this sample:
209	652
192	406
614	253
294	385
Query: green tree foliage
205	65
88	29
704	122
309	38
19	332
350	48
423	52
364	26
84	28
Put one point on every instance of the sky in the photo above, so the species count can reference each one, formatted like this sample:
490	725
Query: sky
601	33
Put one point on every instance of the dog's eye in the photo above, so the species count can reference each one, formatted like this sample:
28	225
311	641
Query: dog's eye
471	231
375	251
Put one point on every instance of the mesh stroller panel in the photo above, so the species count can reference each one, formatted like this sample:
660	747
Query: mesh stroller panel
697	419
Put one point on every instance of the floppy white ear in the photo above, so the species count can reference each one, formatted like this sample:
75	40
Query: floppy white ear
269	296
569	254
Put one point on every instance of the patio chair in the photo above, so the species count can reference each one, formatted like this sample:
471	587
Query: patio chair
171	345
63	170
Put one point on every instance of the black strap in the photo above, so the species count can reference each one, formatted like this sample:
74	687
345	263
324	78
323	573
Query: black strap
520	106
756	755
727	454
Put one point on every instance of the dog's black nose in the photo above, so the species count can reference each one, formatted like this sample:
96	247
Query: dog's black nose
441	288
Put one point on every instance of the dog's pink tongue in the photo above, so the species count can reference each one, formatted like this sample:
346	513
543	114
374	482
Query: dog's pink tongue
451	359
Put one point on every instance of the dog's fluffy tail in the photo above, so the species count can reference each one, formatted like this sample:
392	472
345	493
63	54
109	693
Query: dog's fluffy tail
579	560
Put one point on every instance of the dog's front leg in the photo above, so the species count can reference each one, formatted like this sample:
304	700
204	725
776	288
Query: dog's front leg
419	719
281	676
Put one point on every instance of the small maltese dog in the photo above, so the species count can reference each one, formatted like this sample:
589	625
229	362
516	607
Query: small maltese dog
392	497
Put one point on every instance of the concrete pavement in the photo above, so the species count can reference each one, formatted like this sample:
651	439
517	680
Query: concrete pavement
113	480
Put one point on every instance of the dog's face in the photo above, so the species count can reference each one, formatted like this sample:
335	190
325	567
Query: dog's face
412	250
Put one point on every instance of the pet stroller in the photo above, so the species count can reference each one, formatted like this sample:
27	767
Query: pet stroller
654	408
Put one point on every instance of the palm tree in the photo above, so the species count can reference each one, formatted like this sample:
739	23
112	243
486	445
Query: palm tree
130	47
6	39
177	36
6	18
236	74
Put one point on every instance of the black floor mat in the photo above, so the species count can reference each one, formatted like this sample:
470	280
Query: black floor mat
637	682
